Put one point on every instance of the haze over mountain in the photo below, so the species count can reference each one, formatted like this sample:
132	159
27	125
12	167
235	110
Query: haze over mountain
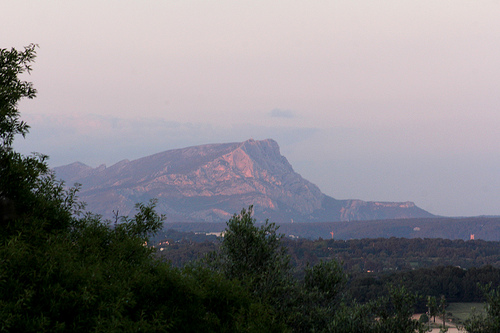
211	182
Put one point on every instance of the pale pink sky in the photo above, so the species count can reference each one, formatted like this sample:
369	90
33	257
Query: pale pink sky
376	100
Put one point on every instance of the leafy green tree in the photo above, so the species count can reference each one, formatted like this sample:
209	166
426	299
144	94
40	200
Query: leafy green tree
254	255
31	197
388	314
432	306
424	318
315	300
327	279
12	90
442	308
395	314
353	318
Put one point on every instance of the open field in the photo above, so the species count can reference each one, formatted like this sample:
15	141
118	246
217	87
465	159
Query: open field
460	312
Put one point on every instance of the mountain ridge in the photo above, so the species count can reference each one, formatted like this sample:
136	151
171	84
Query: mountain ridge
211	182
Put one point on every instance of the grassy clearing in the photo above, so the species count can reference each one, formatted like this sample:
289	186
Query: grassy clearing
462	311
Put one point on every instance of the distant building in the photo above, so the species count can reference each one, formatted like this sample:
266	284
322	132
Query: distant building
471	236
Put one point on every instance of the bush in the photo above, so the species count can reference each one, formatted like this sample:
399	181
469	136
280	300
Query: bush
424	319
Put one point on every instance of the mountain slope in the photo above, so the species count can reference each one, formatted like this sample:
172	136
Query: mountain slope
212	182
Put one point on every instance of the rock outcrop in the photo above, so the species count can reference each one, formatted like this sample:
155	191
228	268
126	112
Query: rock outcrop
212	182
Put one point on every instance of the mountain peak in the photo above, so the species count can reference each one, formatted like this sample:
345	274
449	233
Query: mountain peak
212	182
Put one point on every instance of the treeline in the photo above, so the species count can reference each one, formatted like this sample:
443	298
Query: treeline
357	255
454	283
397	254
430	267
482	227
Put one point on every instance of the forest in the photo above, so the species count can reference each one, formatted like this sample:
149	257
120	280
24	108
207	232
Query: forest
65	269
430	267
358	255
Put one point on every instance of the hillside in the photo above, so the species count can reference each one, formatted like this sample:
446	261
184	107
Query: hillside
210	183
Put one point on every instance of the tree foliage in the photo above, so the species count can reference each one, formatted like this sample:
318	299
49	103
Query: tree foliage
12	90
256	256
253	255
432	306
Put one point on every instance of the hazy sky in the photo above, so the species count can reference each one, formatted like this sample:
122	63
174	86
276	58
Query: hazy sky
374	100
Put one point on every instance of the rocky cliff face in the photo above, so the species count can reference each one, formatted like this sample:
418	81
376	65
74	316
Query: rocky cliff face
212	182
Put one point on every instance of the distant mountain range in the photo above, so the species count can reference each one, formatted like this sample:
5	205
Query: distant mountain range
210	183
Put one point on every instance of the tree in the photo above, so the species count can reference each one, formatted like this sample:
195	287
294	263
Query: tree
390	313
424	318
432	306
396	310
253	255
442	307
256	257
31	196
316	299
327	279
12	90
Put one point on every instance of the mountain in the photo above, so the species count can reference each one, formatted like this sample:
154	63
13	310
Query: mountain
210	183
